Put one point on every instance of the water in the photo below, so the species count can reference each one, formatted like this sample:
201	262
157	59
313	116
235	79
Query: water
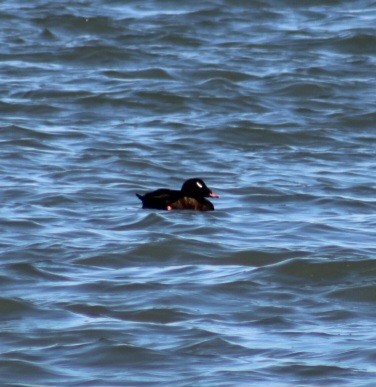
273	104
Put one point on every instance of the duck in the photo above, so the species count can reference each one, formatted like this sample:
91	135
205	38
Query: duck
191	196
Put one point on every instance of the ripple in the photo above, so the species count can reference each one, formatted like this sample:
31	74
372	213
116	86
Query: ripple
150	73
11	307
26	369
324	270
365	294
116	355
357	42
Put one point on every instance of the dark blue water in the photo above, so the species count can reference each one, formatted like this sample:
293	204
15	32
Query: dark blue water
273	104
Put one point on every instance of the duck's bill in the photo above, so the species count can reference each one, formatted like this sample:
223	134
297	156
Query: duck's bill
213	195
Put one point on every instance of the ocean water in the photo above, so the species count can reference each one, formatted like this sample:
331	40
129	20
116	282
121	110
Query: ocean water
273	104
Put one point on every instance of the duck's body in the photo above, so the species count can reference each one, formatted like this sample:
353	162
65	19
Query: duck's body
192	196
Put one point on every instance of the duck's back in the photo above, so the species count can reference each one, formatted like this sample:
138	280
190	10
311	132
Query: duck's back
159	199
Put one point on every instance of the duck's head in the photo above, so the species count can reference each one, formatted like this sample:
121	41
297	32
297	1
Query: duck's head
197	188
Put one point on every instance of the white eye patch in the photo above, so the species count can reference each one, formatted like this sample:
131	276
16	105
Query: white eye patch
199	185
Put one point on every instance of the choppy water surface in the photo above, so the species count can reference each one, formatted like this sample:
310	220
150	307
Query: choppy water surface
273	104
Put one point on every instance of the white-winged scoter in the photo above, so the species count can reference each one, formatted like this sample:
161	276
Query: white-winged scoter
192	196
